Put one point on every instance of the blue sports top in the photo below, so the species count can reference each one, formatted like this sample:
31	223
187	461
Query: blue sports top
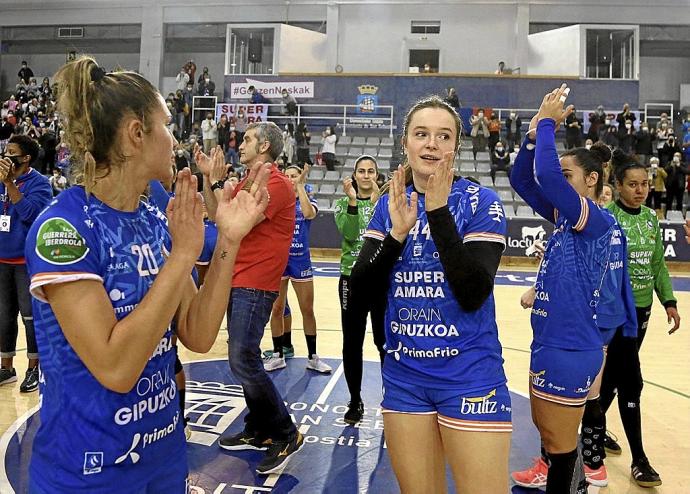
574	269
430	339
300	237
92	439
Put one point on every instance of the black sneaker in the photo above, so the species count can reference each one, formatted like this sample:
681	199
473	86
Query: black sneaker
355	410
244	440
278	455
644	474
611	445
7	375
30	382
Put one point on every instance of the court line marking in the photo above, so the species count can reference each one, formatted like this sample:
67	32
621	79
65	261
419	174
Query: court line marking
5	485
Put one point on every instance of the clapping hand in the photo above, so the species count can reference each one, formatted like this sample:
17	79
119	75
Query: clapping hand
235	217
203	161
218	168
185	217
552	105
403	214
350	191
439	184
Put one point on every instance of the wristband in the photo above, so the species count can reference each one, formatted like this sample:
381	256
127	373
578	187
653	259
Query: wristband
218	185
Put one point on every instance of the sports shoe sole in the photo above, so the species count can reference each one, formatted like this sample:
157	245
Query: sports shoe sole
596	483
271	369
243	447
9	381
352	422
35	388
647	484
529	486
282	464
328	371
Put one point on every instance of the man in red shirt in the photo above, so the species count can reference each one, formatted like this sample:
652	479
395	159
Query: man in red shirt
259	265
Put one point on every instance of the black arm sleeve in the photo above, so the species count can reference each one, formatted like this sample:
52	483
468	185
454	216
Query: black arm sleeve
370	274
470	268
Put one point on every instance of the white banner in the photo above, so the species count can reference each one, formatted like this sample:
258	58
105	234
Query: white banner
253	113
239	90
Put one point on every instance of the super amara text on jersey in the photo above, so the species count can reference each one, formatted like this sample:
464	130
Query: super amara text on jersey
415	277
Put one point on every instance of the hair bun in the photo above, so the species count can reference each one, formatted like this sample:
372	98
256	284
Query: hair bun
601	152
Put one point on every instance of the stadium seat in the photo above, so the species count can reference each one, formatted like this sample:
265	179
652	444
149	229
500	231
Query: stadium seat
339	190
384	165
323	204
506	196
316	139
483	168
524	212
345	140
372	141
387	142
315	175
358	141
327	190
502	183
486	182
331	176
483	156
467	167
371	151
386	153
466	155
354	152
675	216
341	150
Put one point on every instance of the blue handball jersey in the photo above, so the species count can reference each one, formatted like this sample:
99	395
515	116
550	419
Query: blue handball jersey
430	339
574	268
92	439
300	237
210	239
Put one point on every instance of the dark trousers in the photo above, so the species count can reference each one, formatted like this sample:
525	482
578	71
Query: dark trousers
15	298
674	195
248	312
353	316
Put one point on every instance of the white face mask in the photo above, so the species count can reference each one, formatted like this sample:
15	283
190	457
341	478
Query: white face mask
500	150
480	114
676	159
645	129
588	146
607	121
512	115
627	126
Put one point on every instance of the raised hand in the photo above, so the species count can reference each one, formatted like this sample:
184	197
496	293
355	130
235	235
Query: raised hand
375	192
219	169
439	184
185	218
203	161
403	214
6	169
552	105
349	190
235	217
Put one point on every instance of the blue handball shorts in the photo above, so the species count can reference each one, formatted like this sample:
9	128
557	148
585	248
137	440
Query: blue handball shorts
563	376
298	269
484	410
607	335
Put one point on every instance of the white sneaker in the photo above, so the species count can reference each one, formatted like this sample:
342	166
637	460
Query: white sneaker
274	362
318	365
187	432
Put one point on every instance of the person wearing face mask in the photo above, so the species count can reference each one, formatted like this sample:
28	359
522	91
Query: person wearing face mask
643	144
626	136
206	86
25	73
290	103
675	182
223	132
625	115
670	148
657	186
500	160
479	132
203	75
662	132
573	131
328	149
181	158
596	120
182	79
255	97
608	133
209	130
513	134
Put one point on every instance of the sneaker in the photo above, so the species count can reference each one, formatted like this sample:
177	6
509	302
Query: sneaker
243	440
30	382
7	375
644	474
274	362
597	477
611	445
355	410
318	365
278	455
532	477
187	432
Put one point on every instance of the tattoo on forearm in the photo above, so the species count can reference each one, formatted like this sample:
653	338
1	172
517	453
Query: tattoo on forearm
223	254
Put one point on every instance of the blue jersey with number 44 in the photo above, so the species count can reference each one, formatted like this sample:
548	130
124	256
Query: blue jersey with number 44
430	339
92	439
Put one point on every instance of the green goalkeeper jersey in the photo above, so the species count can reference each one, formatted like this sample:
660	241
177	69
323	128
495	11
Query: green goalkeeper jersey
646	264
352	221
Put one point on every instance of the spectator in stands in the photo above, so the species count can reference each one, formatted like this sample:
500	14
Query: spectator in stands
255	97
288	144
204	75
501	68
479	132
188	99
206	87
625	115
452	99
25	73
33	86
686	147
657	186
626	136
45	88
500	160
328	148
494	131
662	132
573	131
26	126
290	103
231	155
513	130
240	124
675	182
223	132
302	139
190	67
608	134
182	79
12	103
6	131
596	120
48	142
426	69
182	158
643	144
209	130
669	150
58	181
